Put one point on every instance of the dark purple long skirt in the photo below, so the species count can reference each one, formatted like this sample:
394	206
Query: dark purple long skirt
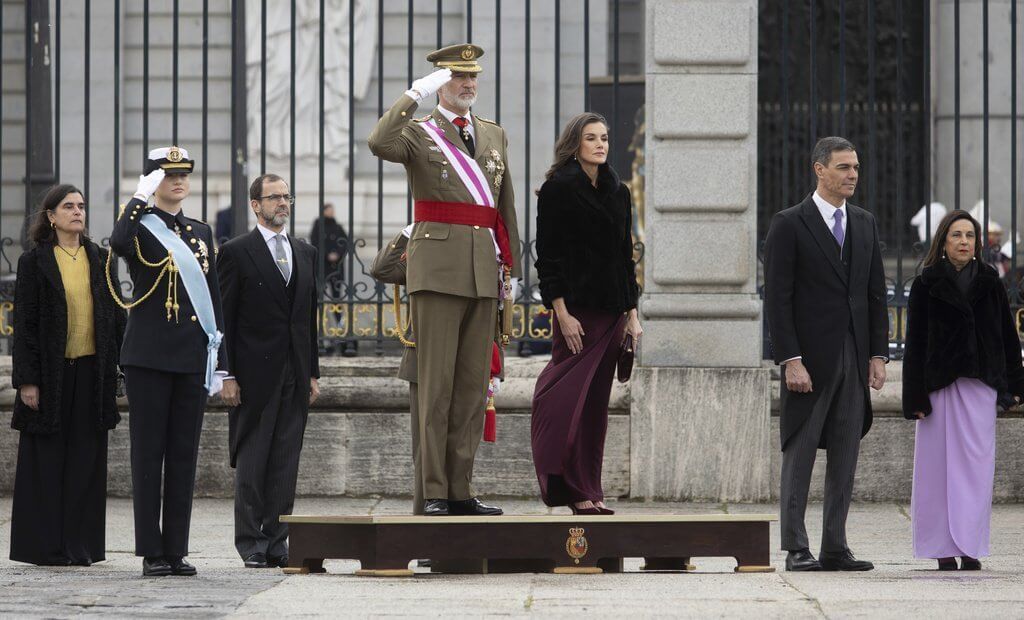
570	410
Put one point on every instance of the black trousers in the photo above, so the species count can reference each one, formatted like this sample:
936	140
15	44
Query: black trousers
838	415
60	487
267	467
165	422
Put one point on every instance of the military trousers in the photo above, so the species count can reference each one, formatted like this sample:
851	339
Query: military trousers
453	349
165	421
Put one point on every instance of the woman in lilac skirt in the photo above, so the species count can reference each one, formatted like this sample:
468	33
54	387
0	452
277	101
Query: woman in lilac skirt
588	278
962	359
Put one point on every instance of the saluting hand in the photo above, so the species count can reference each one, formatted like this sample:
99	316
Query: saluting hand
314	389
231	394
30	396
429	85
148	184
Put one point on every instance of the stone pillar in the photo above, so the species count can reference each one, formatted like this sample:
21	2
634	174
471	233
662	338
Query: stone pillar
700	400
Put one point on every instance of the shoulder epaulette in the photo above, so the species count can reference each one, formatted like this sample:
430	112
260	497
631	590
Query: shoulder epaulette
487	120
422	120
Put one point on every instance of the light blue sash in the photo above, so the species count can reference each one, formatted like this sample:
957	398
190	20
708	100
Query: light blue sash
195	285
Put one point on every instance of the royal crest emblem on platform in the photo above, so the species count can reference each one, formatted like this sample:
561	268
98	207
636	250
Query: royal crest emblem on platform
576	545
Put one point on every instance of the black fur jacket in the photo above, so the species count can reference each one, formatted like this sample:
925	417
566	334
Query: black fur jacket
950	335
585	242
40	337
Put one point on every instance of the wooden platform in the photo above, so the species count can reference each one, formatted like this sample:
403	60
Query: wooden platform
384	545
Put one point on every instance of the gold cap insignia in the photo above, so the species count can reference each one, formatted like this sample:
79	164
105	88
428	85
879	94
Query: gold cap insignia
174	154
460	58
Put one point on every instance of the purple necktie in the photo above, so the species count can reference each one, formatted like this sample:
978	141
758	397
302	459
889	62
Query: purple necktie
837	228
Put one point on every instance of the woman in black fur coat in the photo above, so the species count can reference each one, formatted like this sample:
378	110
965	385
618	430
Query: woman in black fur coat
588	278
963	356
67	334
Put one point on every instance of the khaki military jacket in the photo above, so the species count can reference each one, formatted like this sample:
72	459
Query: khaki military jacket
449	258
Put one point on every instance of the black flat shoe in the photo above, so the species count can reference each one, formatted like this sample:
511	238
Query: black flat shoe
968	563
256	560
180	567
277	561
473	507
947	564
436	508
843	561
155	567
802	560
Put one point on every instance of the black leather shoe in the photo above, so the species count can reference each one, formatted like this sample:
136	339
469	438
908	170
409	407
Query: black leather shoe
801	560
843	560
947	564
967	563
180	567
473	507
435	508
277	561
256	560
155	567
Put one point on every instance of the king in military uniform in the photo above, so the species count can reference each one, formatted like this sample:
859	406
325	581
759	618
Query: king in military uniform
170	352
461	259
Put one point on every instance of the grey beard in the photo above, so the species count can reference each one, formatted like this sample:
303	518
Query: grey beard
457	102
276	220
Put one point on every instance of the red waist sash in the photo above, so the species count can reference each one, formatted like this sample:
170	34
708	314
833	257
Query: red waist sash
467	214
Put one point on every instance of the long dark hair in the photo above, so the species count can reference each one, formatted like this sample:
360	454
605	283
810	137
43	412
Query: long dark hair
937	251
569	142
40	230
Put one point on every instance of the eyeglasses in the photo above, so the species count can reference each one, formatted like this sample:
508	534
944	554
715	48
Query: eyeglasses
279	197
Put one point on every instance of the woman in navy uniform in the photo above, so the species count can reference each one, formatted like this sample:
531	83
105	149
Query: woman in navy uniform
170	351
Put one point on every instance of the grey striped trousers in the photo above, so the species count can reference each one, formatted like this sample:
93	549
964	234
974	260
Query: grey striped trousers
838	416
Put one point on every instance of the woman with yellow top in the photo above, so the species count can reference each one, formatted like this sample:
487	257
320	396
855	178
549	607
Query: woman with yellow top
67	334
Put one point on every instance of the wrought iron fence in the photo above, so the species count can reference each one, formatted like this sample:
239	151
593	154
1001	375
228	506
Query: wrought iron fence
866	71
249	81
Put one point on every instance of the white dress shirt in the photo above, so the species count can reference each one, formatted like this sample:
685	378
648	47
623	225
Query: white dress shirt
828	212
268	236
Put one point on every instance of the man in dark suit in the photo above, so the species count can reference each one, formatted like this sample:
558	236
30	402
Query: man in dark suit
825	300
169	356
268	284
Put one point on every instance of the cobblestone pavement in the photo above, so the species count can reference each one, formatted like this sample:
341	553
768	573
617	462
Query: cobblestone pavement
899	587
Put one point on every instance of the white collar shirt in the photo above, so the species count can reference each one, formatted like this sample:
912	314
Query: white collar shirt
828	212
448	114
268	237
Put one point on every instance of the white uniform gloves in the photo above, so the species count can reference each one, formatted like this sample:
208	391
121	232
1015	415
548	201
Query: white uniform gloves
148	184
428	86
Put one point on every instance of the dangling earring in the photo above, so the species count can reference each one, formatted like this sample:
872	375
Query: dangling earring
943	255
974	258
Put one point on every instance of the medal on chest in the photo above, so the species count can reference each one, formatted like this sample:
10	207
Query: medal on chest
495	167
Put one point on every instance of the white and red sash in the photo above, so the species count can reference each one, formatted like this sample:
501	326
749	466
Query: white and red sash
466	168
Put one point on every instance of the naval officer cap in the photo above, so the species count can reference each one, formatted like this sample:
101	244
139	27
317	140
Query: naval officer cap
173	159
461	58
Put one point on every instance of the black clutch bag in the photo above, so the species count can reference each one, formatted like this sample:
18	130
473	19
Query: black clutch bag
625	362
